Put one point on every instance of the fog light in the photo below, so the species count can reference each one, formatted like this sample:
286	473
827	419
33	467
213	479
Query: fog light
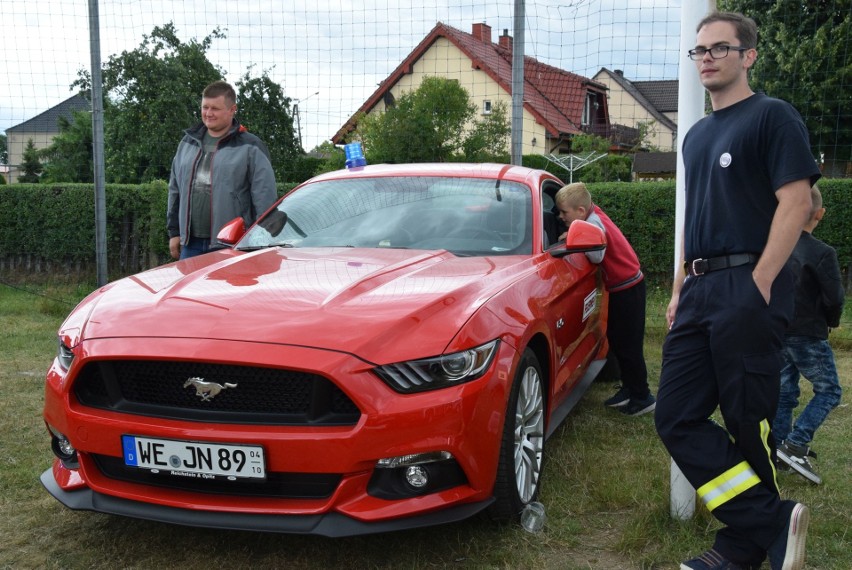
417	476
61	447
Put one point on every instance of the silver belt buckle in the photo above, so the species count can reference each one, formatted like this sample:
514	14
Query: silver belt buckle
699	266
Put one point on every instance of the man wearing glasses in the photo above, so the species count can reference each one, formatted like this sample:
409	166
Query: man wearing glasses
749	170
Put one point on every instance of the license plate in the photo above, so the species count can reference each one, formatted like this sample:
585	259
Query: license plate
193	458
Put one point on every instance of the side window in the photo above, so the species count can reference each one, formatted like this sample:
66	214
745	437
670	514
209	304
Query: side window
551	225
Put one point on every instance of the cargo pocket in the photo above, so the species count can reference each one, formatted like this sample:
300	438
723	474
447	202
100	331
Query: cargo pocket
762	385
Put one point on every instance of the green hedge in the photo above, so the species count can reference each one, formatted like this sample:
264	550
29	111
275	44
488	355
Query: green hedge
645	212
51	228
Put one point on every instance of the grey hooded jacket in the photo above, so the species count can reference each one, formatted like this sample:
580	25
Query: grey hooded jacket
243	183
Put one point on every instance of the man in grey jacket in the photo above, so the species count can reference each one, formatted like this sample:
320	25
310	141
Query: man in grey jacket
220	172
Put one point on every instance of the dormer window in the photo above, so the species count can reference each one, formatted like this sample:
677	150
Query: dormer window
590	108
587	109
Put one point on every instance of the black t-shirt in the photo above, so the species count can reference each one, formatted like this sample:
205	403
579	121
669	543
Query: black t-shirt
735	160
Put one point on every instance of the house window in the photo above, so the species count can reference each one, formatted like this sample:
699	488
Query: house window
486	107
589	107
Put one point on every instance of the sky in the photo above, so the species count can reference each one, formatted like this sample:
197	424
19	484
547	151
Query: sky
327	55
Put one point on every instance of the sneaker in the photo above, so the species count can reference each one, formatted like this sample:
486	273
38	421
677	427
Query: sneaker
781	467
710	560
796	457
787	552
636	407
619	399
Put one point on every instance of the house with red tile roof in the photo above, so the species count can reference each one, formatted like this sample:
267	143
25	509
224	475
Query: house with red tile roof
558	104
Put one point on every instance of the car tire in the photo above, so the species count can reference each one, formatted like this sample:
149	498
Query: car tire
522	447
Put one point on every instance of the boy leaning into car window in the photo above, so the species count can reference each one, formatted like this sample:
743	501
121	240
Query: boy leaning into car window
625	283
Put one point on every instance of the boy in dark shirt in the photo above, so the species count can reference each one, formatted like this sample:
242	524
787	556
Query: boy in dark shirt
819	303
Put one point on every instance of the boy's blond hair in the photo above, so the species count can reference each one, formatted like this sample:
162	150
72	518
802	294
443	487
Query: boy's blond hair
816	200
574	195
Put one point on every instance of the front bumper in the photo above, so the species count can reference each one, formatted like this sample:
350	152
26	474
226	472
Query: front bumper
328	524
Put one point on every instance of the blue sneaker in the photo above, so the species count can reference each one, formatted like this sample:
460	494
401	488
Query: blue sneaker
618	399
635	407
710	560
787	552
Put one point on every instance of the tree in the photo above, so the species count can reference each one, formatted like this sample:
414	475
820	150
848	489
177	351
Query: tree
265	111
489	138
154	93
31	166
70	158
434	123
332	157
804	58
611	168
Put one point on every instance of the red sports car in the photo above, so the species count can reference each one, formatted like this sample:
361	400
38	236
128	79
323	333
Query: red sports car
387	348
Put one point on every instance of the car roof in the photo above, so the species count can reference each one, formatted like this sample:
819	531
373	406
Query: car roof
510	172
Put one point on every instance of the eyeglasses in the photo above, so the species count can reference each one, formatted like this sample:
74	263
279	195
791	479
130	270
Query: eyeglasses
716	52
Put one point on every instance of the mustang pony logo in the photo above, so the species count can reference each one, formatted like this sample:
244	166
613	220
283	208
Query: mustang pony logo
207	390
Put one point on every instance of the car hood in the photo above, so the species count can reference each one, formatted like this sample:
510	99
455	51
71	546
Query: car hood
380	304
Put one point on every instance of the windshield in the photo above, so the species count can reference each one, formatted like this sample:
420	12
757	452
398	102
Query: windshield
466	216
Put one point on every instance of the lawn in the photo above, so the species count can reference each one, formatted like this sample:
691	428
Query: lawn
606	488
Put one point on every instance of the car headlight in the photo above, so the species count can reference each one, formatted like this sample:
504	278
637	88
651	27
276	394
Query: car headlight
439	371
64	356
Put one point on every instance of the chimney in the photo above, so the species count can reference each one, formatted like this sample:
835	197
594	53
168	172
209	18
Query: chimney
619	73
506	40
482	32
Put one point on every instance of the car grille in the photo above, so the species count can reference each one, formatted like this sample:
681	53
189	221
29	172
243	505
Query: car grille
276	485
261	395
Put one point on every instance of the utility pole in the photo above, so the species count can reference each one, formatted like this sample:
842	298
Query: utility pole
98	143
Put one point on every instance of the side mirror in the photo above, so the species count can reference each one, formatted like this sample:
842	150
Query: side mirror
582	237
231	232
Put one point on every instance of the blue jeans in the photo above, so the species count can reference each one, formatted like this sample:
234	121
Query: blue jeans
812	358
196	246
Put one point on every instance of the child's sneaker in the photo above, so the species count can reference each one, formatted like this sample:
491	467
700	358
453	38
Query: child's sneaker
796	457
637	407
618	399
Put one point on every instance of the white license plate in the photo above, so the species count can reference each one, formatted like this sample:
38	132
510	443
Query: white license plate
194	458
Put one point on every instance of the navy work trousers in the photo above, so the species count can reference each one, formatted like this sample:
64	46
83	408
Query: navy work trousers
725	350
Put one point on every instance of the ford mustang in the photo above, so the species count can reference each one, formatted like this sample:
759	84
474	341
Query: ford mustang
388	347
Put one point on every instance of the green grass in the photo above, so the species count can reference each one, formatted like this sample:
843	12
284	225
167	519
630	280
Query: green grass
606	488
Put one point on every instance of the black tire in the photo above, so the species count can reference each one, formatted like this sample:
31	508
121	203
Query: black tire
522	447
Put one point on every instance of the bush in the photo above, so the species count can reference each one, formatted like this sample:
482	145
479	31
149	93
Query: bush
645	212
50	228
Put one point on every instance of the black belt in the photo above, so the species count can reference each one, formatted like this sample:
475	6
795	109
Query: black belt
702	266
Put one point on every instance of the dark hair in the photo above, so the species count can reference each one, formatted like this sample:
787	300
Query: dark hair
219	88
745	27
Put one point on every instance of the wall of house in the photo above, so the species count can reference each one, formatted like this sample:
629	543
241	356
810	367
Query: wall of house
444	59
625	110
16	143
